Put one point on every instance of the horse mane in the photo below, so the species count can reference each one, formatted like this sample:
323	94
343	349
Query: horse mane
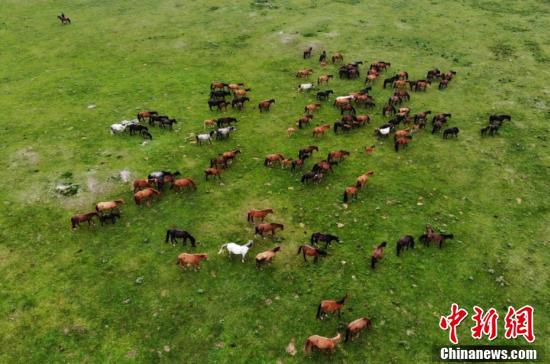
276	249
343	300
119	200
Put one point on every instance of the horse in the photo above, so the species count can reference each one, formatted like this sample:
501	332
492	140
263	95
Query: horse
64	19
355	327
402	142
499	118
143	115
112	216
311	251
450	131
343	125
264	228
323	166
265	105
347	108
388	109
323	95
252	214
305	87
77	219
420	85
435	237
326	238
324	78
118	128
225	121
219	104
266	256
219	95
363	179
223	133
183	183
443	84
337	57
316	177
310	108
136	128
200	138
370	150
307	52
441	117
140	184
405	242
377	254
146	135
434	73
320	130
322	343
491	129
213	171
323	57
350	192
304	73
236	249
391	80
238	102
331	306
308	151
186	260
306	119
108	205
167	122
210	123
448	75
174	234
271	159
233	87
337	154
421	117
297	163
146	194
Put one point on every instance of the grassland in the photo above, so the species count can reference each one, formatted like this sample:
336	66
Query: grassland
72	296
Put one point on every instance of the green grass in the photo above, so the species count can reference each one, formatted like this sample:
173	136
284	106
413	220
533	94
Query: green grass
63	292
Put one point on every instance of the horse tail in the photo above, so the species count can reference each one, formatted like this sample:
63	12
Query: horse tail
193	183
372	262
396	145
448	236
221	249
167	236
307	346
398	248
299	249
248	216
319	311
345	197
265	162
348	334
73	222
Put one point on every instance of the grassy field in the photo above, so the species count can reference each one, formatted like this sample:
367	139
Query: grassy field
113	294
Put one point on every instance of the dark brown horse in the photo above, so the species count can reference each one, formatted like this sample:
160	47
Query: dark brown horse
311	251
437	238
265	228
307	52
261	214
265	105
77	219
405	242
377	254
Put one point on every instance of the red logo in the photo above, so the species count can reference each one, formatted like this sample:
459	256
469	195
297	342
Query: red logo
519	323
452	321
485	324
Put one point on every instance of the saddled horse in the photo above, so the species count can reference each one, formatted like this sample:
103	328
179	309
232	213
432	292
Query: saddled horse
64	19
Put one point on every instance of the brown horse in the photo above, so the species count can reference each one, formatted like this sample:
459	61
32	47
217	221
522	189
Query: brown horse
304	120
265	228
218	85
261	214
370	150
108	205
272	159
362	119
320	130
355	327
337	154
241	92
140	184
265	105
267	256
186	260
337	57
235	86
322	343
324	78
310	108
77	219
402	142
437	238
363	179
230	155
350	192
311	251
184	183
400	84
146	115
377	254
210	123
304	73
213	171
146	194
402	134
331	306
307	52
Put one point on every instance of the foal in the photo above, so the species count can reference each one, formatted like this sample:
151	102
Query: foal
330	306
377	254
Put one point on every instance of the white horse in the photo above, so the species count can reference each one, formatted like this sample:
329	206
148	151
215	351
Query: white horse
117	128
223	133
342	98
204	137
237	249
305	87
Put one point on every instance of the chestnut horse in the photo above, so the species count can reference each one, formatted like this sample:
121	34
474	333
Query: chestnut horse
214	171
337	57
320	130
322	343
436	237
402	142
146	194
258	214
265	105
77	219
271	159
324	78
311	251
363	179
186	260
350	192
304	120
355	327
377	254
146	115
331	306
304	73
310	108
108	205
266	256
140	184
184	183
337	154
264	228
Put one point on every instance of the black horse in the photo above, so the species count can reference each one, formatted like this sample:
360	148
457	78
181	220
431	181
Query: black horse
490	129
405	242
136	128
219	104
167	122
64	19
174	234
450	131
390	80
225	121
324	95
219	95
238	102
326	238
499	118
110	217
343	125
